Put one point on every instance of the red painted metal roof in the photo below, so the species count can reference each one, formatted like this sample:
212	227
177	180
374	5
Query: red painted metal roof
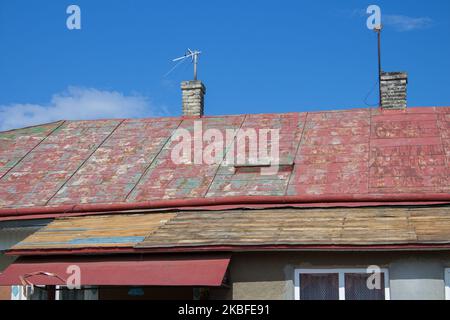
192	270
355	154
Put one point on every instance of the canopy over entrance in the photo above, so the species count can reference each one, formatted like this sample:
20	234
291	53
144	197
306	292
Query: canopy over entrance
161	270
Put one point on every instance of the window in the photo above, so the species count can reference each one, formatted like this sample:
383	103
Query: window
447	284
85	293
55	293
319	286
340	284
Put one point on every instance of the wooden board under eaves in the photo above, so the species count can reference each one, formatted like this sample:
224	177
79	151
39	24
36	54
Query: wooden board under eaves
95	231
292	226
346	226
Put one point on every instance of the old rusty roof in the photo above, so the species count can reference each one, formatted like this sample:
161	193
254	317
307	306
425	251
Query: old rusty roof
354	152
247	228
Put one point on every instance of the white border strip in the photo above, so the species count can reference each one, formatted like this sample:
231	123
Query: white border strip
447	284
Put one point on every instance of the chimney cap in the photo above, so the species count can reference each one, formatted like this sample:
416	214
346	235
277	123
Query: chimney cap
193	84
398	75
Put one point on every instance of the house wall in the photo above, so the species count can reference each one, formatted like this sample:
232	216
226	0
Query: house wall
413	275
5	292
263	276
12	233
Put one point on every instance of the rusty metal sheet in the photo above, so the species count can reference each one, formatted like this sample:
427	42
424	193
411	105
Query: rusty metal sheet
333	154
350	152
16	144
232	182
408	151
168	180
41	173
116	166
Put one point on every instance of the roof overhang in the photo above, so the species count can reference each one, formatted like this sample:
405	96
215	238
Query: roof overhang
159	270
223	203
332	229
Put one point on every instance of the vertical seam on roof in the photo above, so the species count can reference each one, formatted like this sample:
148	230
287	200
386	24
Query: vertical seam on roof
440	126
85	160
32	149
153	161
296	153
224	156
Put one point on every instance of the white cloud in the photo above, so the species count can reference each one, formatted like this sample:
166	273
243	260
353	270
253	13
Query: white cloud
76	104
405	23
398	22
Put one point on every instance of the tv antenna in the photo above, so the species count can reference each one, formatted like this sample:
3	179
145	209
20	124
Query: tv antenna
378	29
194	56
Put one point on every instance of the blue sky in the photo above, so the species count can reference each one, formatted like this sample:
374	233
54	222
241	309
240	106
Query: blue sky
258	56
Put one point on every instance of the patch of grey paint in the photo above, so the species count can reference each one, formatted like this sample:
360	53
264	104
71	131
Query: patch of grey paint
417	279
289	285
5	261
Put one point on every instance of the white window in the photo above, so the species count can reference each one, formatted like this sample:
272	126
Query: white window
341	284
447	284
59	293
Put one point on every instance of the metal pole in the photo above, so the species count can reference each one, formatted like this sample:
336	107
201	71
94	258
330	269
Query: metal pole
379	63
195	66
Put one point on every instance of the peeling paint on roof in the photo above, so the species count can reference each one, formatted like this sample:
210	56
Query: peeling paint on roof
288	226
358	152
98	231
16	144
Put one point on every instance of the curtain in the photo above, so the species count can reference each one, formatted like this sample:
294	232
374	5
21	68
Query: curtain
319	286
356	287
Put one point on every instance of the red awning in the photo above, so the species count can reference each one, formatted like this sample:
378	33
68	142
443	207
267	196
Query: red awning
149	271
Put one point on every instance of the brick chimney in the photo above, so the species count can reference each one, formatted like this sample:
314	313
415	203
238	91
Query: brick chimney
393	90
193	93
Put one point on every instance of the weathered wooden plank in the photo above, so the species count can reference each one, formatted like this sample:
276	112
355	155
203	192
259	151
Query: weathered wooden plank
358	226
96	231
345	226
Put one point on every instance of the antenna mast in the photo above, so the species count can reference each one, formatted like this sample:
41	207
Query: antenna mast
194	56
380	70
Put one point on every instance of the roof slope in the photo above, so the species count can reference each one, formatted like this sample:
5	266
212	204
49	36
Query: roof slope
354	152
97	231
341	227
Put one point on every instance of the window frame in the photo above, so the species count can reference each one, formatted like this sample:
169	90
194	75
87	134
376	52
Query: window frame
58	296
341	276
86	296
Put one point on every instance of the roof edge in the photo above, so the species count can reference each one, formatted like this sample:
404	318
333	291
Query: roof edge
358	200
232	248
32	126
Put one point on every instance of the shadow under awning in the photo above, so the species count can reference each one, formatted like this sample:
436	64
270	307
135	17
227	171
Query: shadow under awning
160	270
